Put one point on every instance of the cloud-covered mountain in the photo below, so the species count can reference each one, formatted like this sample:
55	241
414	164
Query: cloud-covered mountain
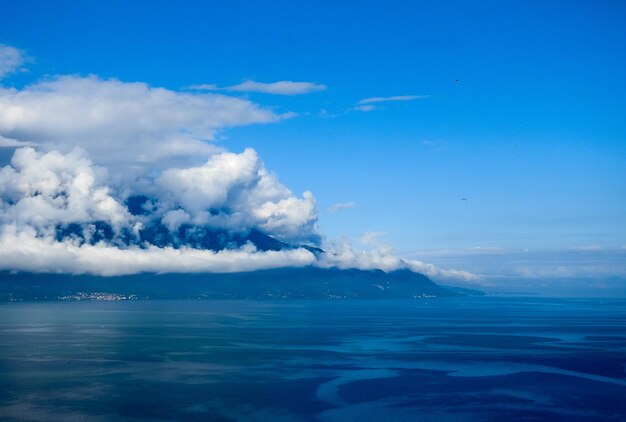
59	215
114	178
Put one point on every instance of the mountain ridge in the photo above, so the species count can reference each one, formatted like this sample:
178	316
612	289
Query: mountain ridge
288	282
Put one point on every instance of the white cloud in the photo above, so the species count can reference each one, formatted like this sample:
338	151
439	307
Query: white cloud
340	206
290	218
373	100
119	122
439	273
11	60
275	88
344	256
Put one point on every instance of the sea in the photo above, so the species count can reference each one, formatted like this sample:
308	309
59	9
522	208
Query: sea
430	359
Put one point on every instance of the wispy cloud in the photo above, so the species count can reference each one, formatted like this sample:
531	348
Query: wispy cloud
364	108
373	100
344	256
203	87
14	143
587	248
11	60
340	206
485	250
367	104
275	88
464	252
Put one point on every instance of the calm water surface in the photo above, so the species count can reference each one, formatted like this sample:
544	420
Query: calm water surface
445	359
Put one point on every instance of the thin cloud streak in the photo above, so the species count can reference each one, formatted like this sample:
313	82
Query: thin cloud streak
14	143
587	248
373	100
341	206
364	108
274	88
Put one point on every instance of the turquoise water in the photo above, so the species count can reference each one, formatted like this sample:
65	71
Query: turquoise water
444	359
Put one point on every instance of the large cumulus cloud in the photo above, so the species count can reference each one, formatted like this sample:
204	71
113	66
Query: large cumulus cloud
45	191
230	192
235	190
121	123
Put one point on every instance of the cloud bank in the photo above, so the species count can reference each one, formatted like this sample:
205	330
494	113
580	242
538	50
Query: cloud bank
25	250
344	256
111	178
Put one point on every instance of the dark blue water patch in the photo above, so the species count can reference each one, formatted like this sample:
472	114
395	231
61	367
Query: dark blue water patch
496	341
519	396
606	338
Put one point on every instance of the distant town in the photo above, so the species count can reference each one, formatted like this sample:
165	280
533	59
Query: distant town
97	296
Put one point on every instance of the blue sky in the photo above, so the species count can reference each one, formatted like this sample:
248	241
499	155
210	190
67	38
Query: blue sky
520	110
